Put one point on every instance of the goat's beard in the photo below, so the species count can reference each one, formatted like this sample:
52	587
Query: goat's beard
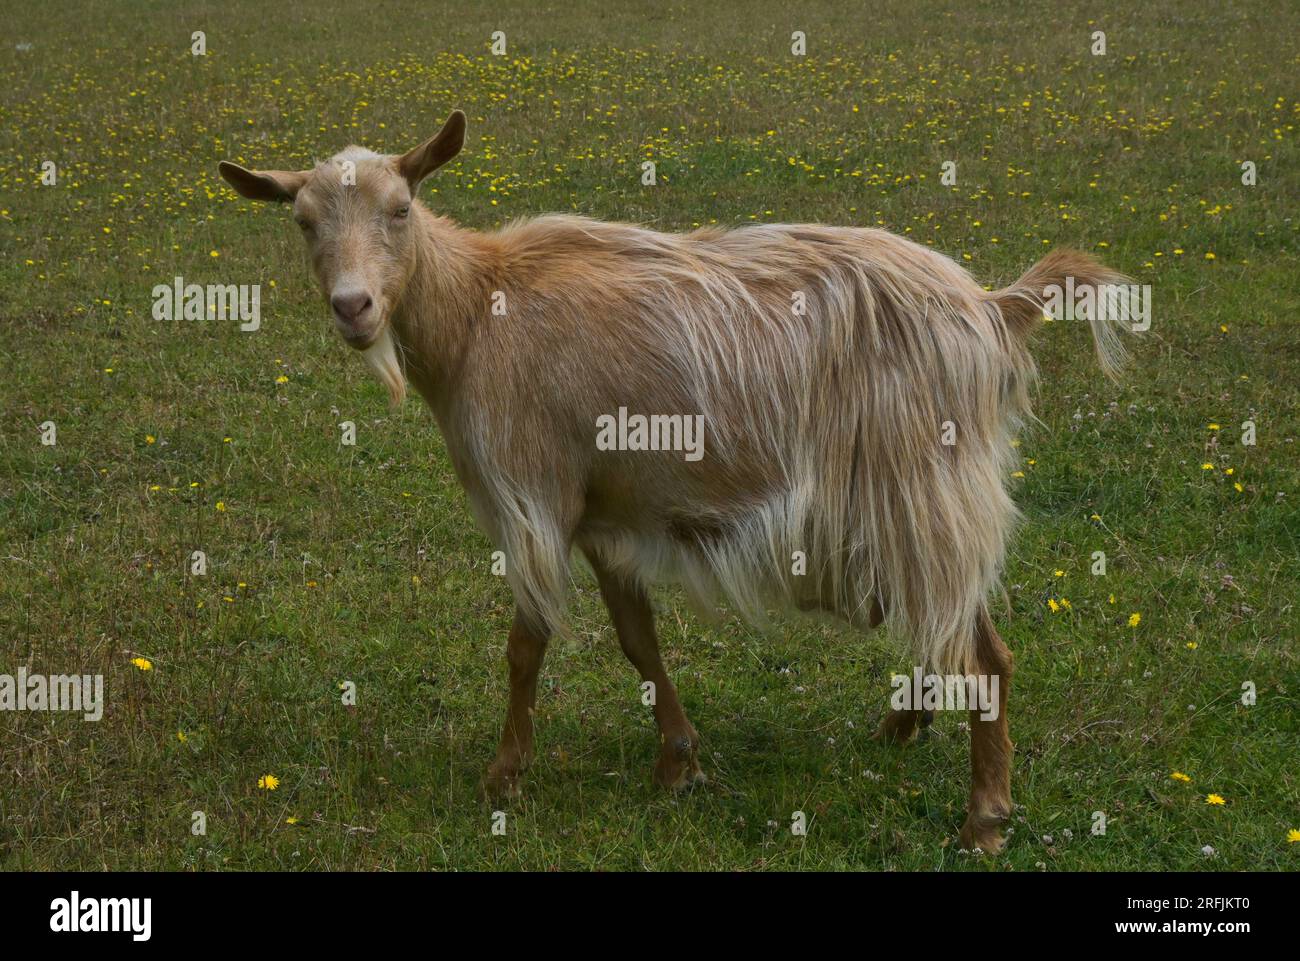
381	357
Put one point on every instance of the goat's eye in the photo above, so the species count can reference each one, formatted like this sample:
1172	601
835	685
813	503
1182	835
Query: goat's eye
303	223
401	212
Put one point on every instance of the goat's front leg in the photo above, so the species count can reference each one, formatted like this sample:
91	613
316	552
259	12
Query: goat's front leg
524	653
629	606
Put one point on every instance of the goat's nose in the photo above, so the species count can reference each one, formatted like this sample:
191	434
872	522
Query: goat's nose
350	305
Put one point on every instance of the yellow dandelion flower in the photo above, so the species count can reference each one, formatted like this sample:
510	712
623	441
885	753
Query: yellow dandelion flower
1215	800
1212	427
1134	619
182	736
1238	487
149	438
1180	776
1192	645
1207	466
1051	602
221	506
268	782
1292	836
290	820
143	663
282	379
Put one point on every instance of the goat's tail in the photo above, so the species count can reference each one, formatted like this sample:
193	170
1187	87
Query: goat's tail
1056	282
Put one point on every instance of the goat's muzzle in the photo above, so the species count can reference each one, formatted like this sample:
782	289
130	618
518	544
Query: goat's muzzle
355	317
358	338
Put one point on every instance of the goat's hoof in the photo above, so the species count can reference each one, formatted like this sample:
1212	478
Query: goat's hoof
983	832
501	783
678	768
898	727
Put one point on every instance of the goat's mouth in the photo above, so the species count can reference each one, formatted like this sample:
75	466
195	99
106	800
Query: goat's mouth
360	335
360	339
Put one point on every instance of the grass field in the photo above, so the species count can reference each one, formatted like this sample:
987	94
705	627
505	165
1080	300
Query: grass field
331	563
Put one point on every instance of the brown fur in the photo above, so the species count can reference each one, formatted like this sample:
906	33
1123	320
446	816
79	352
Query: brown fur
823	424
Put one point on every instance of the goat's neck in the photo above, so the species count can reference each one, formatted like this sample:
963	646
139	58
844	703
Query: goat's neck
449	285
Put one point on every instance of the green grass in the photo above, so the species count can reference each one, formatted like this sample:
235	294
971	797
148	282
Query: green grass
1135	155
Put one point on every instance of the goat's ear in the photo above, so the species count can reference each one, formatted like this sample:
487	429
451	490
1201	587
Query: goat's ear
417	164
281	185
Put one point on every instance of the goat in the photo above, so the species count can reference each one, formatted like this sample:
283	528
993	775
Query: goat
826	363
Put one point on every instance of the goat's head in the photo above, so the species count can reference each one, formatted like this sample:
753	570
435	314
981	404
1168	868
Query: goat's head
354	211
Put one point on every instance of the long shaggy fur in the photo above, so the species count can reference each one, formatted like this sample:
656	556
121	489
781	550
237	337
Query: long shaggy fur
823	426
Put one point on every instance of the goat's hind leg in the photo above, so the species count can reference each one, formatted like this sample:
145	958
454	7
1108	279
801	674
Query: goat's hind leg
990	748
898	725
